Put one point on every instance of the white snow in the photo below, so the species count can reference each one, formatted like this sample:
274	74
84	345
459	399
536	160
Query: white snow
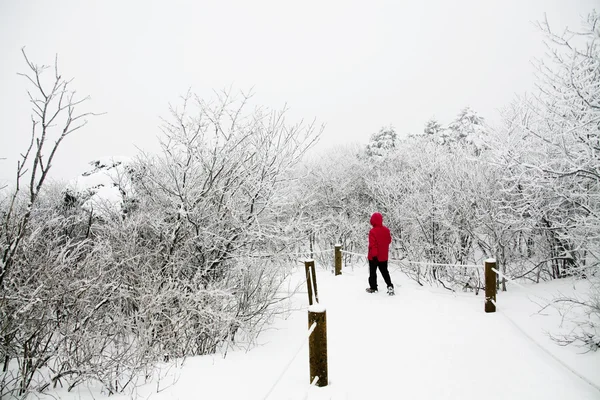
317	308
423	343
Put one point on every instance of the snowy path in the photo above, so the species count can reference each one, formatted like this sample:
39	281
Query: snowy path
422	345
419	344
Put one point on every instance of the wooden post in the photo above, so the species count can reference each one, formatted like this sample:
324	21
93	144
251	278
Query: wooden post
490	285
309	280
317	344
314	279
338	259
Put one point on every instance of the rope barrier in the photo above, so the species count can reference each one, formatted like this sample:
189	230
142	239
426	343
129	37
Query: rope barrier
421	262
398	265
310	331
323	251
281	254
583	378
308	252
302	253
500	274
439	264
354	254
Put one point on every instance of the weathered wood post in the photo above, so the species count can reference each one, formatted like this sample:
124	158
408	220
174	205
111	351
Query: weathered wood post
490	285
338	259
310	277
314	280
317	344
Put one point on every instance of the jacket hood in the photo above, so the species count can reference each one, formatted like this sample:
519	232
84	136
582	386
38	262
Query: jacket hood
376	219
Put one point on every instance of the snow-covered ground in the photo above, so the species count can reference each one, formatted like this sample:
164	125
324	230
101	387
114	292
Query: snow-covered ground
423	343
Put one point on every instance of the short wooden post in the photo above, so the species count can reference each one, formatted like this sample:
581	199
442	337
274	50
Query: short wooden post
490	286
338	259
317	344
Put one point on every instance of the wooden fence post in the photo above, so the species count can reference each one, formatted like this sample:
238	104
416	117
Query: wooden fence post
317	343
490	286
311	281
338	259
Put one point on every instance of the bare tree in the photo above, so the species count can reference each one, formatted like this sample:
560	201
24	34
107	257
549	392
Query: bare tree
55	115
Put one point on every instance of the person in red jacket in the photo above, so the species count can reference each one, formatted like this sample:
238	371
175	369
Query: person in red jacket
379	244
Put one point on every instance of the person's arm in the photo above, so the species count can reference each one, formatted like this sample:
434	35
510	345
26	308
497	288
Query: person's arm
372	244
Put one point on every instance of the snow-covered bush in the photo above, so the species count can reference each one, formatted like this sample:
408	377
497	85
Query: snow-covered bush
202	254
105	189
150	260
549	150
334	200
428	191
40	242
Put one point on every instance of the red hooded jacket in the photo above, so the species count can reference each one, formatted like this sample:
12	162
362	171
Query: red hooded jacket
379	239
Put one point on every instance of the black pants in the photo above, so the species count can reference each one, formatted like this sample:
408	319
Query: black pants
383	268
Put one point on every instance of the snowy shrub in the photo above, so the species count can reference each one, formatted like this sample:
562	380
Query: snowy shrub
40	242
151	260
558	180
106	188
334	201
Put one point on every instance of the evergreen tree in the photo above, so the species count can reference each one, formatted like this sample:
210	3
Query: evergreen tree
382	142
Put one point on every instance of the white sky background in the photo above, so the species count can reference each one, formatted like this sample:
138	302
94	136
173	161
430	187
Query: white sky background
355	66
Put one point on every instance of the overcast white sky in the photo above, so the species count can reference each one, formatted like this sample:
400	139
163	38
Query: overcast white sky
354	65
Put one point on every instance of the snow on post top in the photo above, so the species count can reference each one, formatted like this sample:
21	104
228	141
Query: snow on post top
317	308
490	260
338	245
308	260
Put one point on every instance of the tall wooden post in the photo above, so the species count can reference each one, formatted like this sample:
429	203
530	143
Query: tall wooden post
314	280
490	285
308	281
317	344
310	277
338	259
